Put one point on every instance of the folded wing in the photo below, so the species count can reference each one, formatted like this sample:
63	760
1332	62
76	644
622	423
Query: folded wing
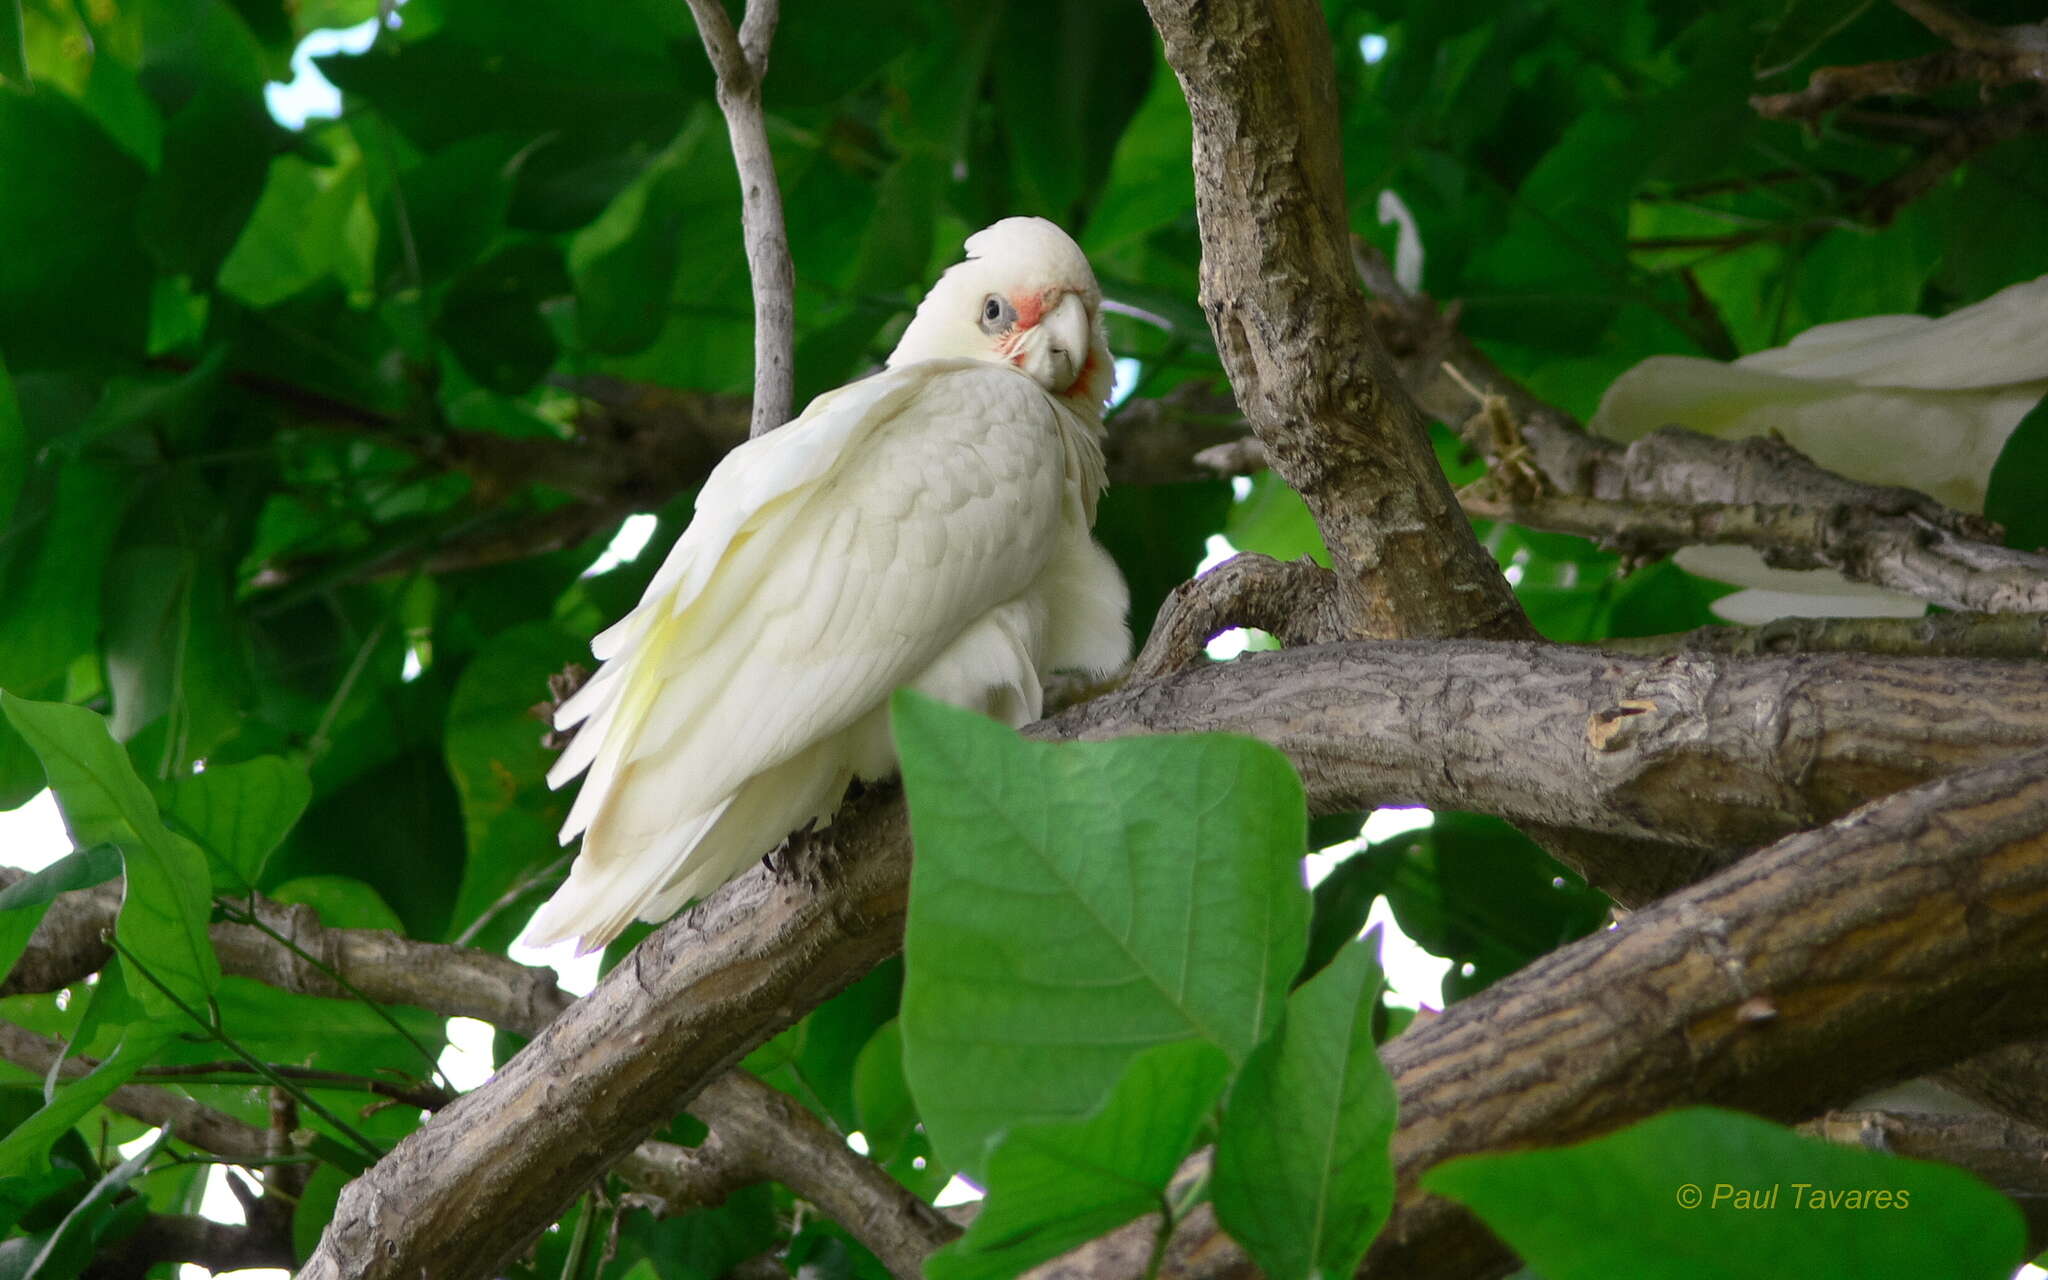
829	563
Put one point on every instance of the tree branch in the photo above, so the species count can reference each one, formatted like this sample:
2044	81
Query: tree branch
1293	330
1708	757
762	1134
1944	635
194	1123
1871	536
1675	485
1844	933
184	1237
741	62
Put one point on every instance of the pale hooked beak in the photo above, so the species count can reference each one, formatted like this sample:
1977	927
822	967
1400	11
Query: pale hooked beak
1060	347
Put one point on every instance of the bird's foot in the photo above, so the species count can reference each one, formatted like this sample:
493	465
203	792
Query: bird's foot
805	857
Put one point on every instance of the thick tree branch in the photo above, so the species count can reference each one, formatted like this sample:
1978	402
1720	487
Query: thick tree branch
1927	909
1879	540
741	60
1293	330
1708	757
1944	635
1674	484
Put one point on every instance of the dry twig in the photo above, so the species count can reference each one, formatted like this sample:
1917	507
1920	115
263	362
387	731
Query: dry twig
741	60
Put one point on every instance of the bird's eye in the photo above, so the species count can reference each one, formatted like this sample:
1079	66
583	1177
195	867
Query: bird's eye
997	314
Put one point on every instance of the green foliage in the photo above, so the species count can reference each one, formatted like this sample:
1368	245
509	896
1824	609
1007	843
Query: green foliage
1055	933
2014	495
164	908
1054	1184
298	477
1302	1178
1665	1198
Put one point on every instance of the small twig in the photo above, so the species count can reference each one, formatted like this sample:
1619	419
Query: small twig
426	1097
741	61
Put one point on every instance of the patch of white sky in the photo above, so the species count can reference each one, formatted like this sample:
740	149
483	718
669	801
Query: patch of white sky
308	95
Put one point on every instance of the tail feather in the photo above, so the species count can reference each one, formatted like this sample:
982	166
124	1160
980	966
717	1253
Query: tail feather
652	878
599	899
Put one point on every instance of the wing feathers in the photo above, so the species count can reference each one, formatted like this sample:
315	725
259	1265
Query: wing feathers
853	551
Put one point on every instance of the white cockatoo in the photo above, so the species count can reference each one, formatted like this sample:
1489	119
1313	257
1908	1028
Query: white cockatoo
926	527
1900	400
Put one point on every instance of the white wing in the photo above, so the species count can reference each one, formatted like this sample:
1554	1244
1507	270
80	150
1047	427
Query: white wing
830	562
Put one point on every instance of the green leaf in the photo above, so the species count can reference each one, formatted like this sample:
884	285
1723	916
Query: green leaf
53	582
1053	1185
1472	888
13	45
491	317
1703	1194
883	1109
2017	493
22	1149
216	155
1803	27
1342	901
341	902
240	813
1273	520
13	446
70	1246
1303	1179
1158	534
165	905
22	903
624	262
1072	906
74	195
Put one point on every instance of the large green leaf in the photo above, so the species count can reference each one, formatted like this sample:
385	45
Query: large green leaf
13	45
53	581
13	447
165	905
1072	906
240	813
1302	1176
1054	1184
1702	1194
74	195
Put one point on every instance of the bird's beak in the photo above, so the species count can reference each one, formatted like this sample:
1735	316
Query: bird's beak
1064	334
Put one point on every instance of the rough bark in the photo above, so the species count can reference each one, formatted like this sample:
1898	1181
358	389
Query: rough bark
1675	487
1292	328
1944	635
1926	909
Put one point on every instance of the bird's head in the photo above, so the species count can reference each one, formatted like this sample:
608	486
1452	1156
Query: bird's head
1025	296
